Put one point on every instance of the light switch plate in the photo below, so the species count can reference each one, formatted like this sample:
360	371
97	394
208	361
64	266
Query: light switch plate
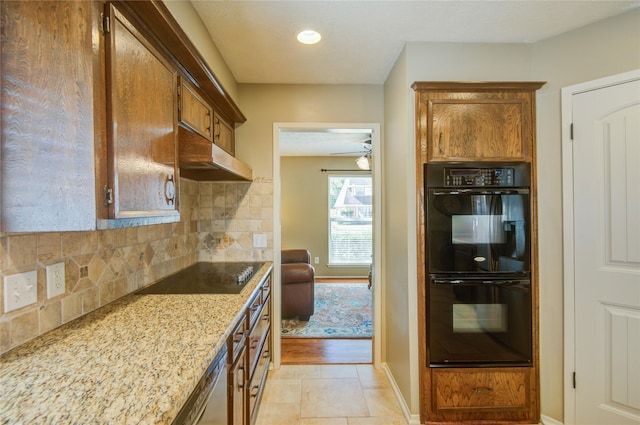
55	280
20	289
259	240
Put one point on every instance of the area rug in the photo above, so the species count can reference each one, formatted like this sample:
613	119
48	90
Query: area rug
342	310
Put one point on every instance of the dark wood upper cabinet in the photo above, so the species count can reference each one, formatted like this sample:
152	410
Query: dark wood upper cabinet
47	79
141	124
223	134
194	112
89	116
477	121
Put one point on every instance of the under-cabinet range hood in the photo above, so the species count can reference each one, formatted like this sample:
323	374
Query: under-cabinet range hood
202	160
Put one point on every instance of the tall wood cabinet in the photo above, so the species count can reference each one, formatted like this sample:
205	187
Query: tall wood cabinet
475	122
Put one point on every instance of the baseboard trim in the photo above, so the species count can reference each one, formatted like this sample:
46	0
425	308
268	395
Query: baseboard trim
549	421
411	419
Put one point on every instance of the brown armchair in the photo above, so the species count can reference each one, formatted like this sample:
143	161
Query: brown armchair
298	281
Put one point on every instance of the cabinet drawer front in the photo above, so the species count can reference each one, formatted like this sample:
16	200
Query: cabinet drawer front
470	389
257	381
237	339
255	309
266	288
257	337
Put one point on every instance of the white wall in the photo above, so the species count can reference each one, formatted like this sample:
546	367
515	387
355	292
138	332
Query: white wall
192	25
264	104
605	48
399	303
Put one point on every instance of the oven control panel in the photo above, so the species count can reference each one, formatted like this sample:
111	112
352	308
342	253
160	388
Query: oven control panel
479	177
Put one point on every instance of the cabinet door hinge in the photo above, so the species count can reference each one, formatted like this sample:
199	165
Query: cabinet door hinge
106	23
108	195
574	379
571	131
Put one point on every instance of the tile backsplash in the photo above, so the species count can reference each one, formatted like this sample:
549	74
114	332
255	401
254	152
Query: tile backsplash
218	221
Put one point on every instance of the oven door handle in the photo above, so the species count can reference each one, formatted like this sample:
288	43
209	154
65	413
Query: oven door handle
484	191
518	282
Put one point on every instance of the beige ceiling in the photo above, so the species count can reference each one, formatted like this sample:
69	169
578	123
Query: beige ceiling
362	39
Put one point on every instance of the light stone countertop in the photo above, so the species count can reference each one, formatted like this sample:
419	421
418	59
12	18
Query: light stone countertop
133	361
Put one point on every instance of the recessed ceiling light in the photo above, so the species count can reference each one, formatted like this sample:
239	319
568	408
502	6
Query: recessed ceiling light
308	37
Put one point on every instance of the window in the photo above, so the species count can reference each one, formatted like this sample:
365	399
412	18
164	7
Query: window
350	220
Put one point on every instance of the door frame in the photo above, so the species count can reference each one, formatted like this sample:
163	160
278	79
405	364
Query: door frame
567	94
376	174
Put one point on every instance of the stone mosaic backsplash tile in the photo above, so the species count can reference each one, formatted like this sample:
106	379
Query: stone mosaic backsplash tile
218	223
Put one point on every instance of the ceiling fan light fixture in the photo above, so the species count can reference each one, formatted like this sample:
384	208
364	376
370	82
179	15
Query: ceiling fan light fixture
363	162
309	37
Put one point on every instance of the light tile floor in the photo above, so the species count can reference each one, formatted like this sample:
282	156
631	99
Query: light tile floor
329	395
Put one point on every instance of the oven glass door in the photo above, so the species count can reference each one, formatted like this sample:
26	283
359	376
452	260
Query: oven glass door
478	231
479	322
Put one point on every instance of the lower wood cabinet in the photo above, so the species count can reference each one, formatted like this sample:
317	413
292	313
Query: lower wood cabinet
250	348
502	395
469	389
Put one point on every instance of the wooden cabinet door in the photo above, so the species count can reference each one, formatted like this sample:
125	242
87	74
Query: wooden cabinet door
476	121
49	66
141	124
492	394
194	111
223	134
477	129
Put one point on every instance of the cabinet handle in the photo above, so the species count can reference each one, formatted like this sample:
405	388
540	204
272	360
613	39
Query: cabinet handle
265	317
240	381
254	344
441	143
483	390
255	390
170	190
266	354
238	337
216	128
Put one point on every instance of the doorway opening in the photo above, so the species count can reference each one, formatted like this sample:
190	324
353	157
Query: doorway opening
306	154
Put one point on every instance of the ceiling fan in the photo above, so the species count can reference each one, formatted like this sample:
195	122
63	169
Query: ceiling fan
366	149
364	160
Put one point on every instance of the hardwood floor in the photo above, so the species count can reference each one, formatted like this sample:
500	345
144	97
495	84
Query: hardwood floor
314	351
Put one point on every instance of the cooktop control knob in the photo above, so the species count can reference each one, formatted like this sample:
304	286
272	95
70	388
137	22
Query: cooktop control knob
244	275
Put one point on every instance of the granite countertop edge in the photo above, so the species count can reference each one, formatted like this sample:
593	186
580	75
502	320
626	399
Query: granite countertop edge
135	360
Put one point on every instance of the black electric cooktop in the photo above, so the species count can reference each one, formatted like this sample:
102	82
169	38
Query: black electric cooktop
206	278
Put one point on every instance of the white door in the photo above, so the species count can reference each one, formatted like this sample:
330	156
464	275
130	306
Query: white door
606	179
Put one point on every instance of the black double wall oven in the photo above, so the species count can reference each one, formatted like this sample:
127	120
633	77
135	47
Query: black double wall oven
478	245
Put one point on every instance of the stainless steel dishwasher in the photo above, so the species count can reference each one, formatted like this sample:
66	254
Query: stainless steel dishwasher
207	404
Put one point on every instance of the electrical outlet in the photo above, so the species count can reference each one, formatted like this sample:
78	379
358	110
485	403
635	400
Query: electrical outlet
259	240
55	280
316	260
20	289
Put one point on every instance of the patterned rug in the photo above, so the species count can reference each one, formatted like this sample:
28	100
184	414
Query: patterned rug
342	310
